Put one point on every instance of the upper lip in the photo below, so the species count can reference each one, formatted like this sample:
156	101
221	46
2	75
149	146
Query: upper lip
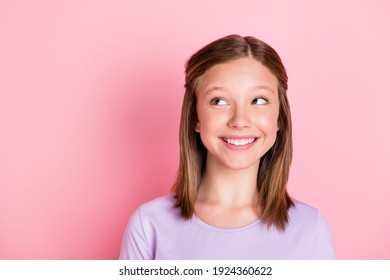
239	136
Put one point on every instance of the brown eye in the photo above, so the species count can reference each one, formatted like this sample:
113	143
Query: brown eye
218	101
259	101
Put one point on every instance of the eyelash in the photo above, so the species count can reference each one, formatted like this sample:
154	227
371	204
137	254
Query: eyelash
215	99
265	99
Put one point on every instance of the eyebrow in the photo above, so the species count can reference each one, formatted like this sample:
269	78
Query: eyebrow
226	89
263	87
216	89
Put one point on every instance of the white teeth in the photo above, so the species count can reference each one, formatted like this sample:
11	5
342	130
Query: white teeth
239	142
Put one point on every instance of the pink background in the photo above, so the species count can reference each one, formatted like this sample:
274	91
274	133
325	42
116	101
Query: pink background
90	96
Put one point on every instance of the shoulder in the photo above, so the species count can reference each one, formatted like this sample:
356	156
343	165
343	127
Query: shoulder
152	213
308	223
303	211
162	204
148	220
159	210
304	216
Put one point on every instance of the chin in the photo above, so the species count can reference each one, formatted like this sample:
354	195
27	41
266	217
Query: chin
241	165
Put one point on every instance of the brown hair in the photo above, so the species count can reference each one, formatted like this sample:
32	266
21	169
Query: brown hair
273	198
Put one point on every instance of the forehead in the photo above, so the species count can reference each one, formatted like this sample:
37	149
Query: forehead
238	74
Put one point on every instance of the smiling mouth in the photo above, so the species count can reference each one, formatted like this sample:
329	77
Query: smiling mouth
239	142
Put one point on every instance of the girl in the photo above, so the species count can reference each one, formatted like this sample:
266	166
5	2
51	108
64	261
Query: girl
229	199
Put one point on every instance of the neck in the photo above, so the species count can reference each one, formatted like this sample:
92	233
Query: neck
228	187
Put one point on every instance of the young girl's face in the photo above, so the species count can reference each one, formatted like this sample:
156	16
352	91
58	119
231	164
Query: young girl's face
238	108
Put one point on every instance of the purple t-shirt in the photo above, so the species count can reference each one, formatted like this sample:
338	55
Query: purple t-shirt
156	231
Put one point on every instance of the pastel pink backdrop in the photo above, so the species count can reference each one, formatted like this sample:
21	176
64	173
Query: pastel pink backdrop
90	96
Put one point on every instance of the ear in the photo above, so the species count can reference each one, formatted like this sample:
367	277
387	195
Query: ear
197	126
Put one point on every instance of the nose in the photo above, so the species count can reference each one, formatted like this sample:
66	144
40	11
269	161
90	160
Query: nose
240	118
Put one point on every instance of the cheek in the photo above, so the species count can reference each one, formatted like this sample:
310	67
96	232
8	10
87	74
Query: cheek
207	124
209	121
268	123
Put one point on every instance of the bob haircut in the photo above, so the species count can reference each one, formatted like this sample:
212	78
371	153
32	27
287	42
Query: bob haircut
273	199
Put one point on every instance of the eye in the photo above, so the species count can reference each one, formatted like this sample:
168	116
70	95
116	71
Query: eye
260	101
218	101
